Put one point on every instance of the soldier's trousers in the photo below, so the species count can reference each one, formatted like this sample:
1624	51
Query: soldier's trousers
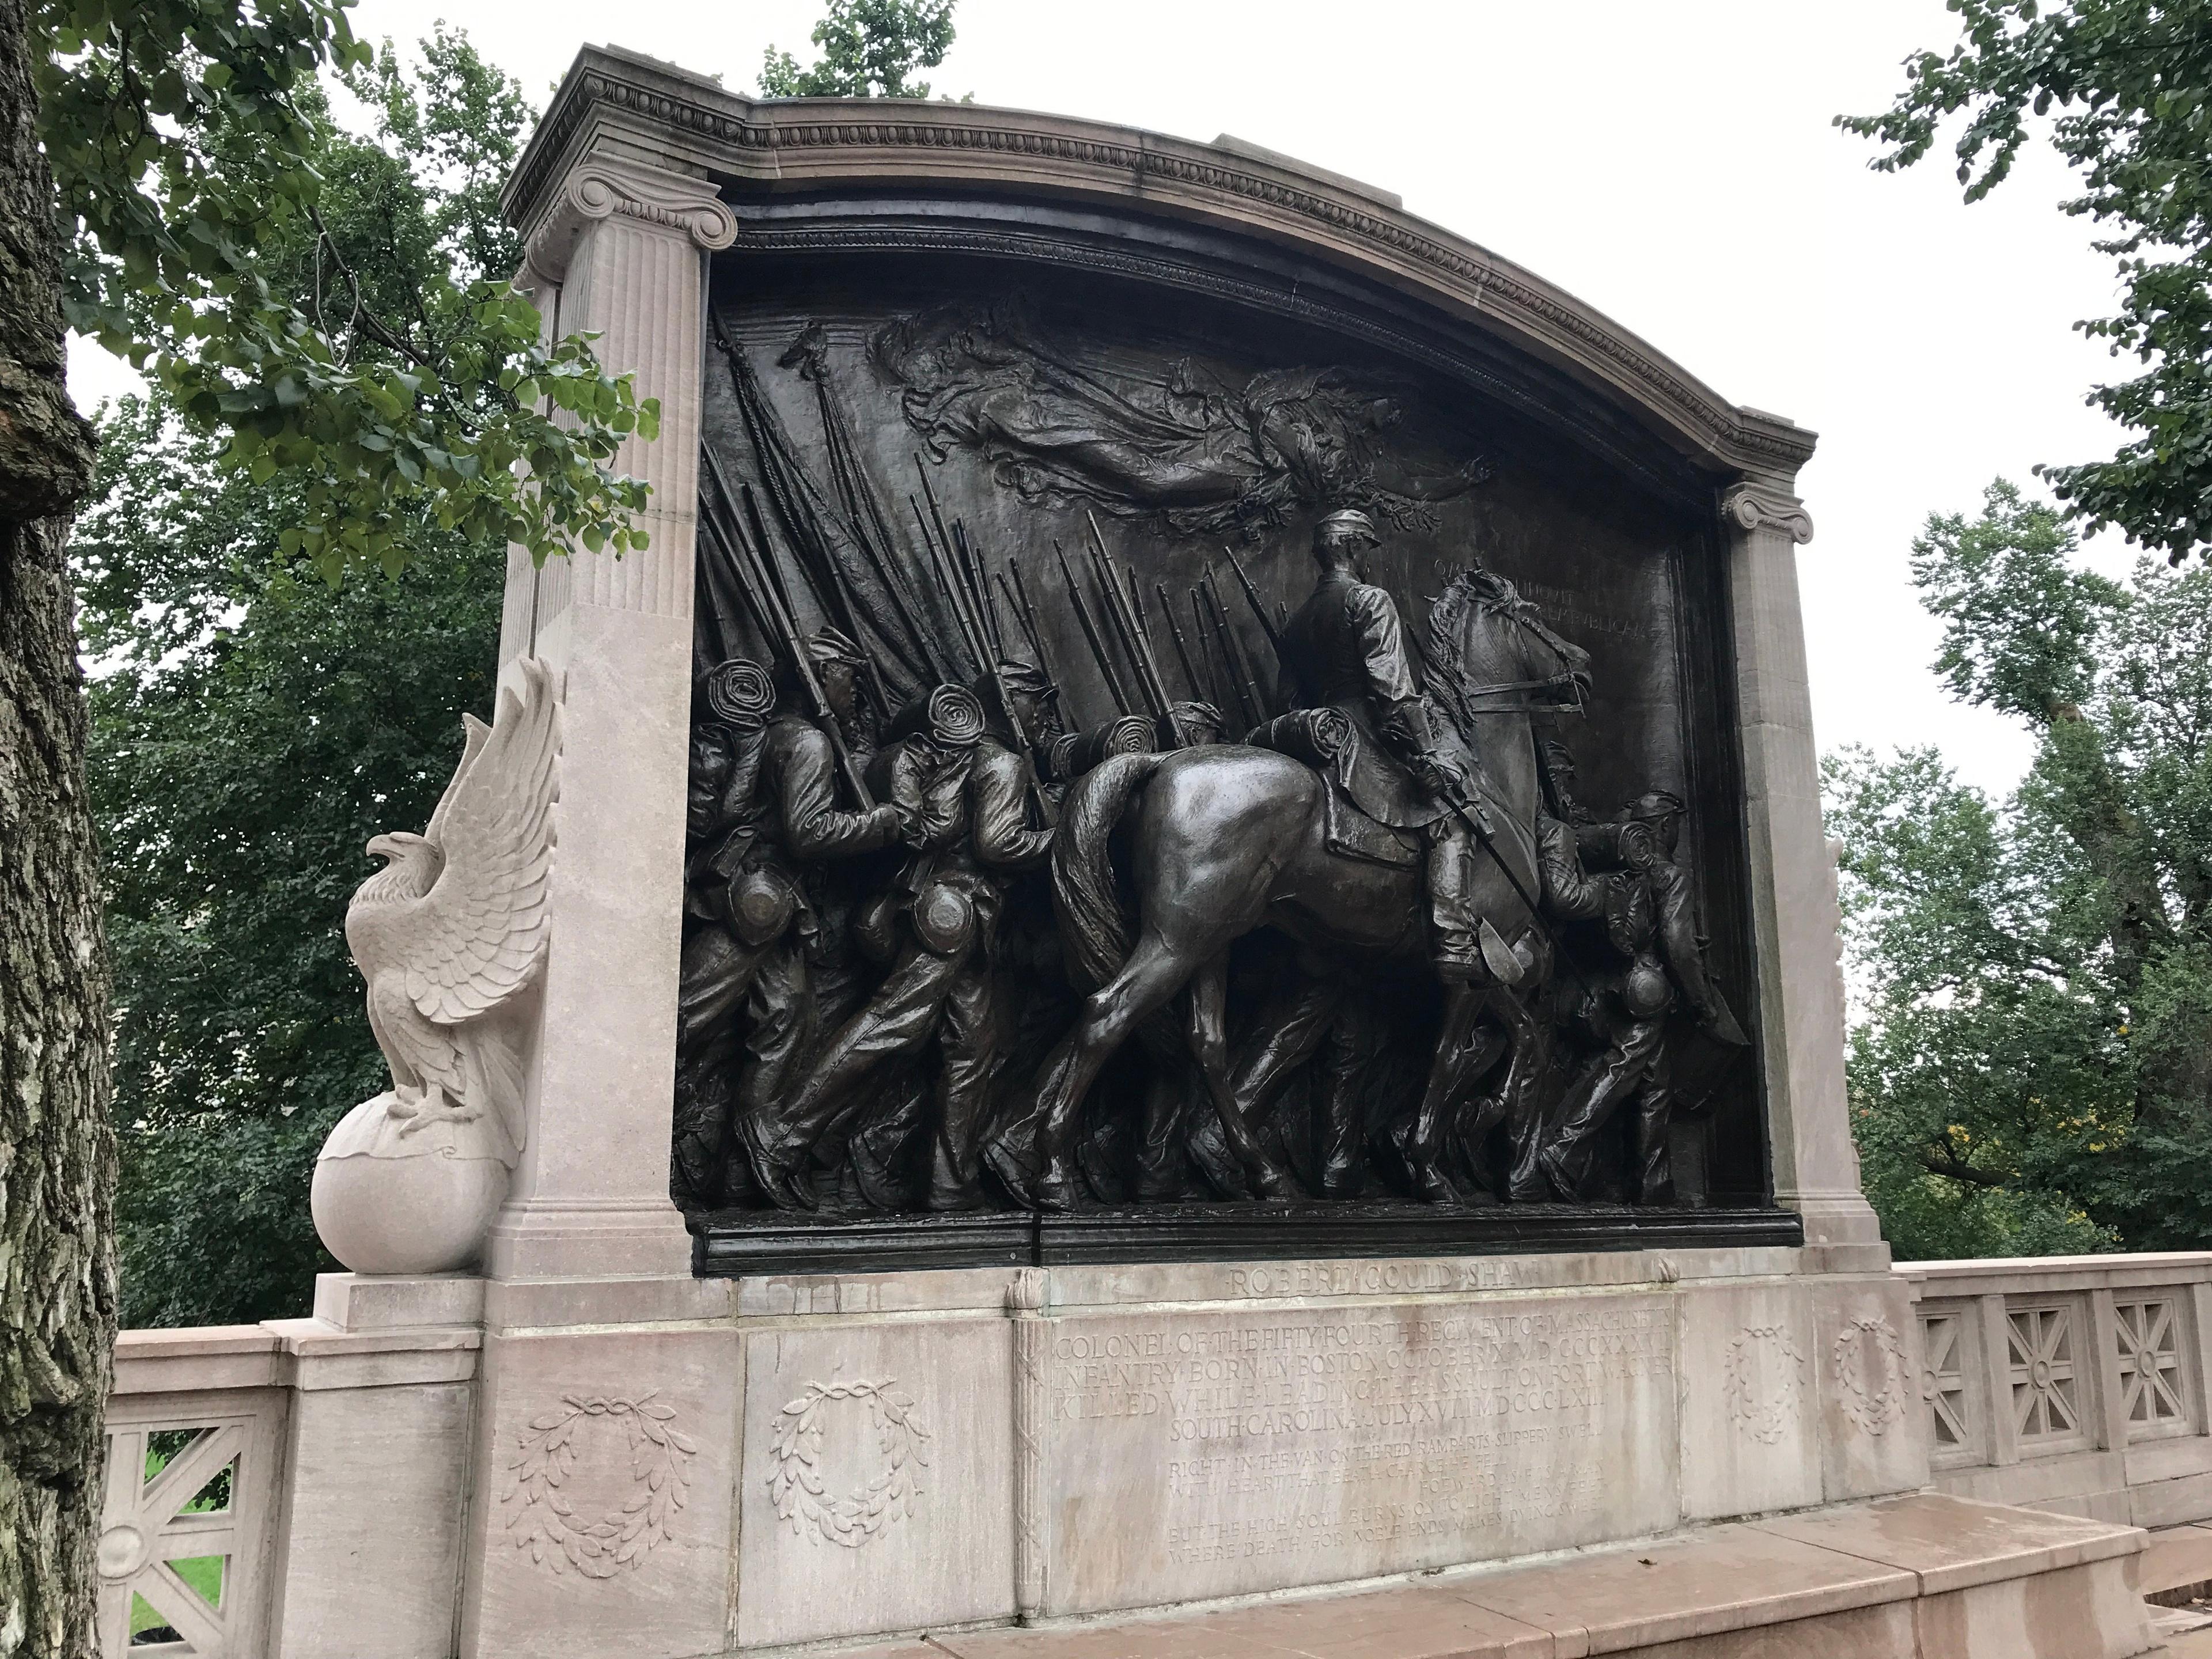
1636	1065
947	997
731	996
1454	928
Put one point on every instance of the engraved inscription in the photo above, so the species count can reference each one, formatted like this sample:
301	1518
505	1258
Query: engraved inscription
1366	1435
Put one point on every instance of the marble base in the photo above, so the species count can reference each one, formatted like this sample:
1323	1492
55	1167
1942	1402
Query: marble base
866	1454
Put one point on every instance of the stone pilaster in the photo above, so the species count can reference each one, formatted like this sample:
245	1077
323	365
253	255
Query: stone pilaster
620	252
1793	874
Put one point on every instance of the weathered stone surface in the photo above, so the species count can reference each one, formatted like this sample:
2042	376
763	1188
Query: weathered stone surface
602	1519
1195	1454
876	1486
1751	1417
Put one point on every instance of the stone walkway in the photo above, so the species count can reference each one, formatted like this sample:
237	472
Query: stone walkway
1926	1576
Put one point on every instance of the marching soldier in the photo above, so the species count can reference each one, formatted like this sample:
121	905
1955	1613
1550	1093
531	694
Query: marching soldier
763	805
963	784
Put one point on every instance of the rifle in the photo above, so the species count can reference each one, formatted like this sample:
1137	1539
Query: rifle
1114	687
1252	599
772	604
967	613
1183	650
1151	661
1233	649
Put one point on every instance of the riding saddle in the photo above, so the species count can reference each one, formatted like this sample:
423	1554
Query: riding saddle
1376	809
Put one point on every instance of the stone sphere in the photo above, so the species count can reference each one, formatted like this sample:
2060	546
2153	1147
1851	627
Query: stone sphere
419	1205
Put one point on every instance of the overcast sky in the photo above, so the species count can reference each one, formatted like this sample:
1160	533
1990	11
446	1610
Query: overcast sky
1672	165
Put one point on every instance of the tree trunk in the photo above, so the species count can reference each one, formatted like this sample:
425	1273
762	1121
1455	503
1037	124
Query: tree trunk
57	1153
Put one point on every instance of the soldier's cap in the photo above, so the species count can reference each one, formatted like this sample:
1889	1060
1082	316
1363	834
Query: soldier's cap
1021	676
1344	522
828	645
741	693
1660	804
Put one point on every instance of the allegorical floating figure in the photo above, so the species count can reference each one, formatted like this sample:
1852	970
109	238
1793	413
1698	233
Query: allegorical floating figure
1202	456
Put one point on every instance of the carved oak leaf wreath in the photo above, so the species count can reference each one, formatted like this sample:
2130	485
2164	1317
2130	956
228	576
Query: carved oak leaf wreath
1860	1347
547	1525
1762	1368
795	1484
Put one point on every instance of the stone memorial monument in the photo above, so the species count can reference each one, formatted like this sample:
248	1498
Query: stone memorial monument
1173	940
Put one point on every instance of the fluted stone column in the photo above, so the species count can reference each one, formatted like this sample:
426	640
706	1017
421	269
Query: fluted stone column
1793	873
622	253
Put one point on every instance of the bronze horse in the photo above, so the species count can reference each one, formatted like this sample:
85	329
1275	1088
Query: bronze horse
1223	841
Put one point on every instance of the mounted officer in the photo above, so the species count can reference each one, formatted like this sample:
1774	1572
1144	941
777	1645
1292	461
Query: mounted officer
1400	765
1400	762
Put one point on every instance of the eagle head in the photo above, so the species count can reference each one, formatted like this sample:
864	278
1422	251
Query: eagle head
412	866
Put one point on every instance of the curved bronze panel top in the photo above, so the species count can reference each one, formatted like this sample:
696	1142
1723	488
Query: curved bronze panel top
617	106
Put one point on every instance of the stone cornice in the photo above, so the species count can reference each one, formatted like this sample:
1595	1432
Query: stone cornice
616	102
1764	507
670	202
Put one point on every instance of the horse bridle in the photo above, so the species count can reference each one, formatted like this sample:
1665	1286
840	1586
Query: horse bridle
1570	683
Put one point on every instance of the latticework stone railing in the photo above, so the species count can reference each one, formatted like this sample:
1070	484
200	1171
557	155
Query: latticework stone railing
195	1445
2074	1383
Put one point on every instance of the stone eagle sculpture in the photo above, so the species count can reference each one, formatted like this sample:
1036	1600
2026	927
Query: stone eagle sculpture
455	924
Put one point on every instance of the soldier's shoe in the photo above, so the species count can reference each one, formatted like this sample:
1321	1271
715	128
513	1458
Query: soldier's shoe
782	1181
1055	1189
1431	1185
949	1189
1557	1180
1269	1182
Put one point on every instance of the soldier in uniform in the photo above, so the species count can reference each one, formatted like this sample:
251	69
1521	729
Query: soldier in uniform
1644	903
762	806
1345	649
964	785
837	664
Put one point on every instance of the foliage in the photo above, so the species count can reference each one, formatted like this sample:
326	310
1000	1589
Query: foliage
869	49
188	141
2132	81
252	728
2032	1065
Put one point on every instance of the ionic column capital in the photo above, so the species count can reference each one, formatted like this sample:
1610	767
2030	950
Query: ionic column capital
1767	507
672	203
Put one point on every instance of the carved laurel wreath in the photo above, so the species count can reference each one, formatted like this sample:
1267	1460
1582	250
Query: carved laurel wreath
1759	1411
795	1484
1873	1408
547	1526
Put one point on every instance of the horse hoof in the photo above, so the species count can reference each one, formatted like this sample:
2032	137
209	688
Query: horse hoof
1433	1187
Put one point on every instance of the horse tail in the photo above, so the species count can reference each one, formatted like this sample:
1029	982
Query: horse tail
1096	930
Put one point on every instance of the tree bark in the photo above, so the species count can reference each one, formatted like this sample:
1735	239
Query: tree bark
57	1153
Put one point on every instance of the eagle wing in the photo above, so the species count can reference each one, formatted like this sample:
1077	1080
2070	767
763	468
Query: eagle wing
478	935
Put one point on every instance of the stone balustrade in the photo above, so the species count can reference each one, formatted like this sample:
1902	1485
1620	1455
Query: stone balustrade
247	1467
238	1454
2070	1383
